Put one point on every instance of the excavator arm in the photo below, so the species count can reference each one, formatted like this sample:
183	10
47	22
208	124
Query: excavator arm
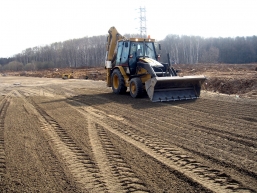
112	40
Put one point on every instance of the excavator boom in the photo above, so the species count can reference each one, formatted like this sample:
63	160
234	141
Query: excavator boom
112	40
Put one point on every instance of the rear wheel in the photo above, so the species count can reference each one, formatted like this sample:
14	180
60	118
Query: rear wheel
118	83
136	87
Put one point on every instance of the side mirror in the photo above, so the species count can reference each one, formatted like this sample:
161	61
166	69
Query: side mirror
160	48
158	57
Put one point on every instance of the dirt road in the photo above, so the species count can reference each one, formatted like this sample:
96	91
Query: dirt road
76	136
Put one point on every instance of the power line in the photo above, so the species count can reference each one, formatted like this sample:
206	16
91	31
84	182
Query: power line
142	21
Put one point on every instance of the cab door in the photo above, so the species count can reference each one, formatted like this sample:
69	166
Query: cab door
119	53
132	58
125	54
122	54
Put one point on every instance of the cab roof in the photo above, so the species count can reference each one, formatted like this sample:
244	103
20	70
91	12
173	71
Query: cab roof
138	40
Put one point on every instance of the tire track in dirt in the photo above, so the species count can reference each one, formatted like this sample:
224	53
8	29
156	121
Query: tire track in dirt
184	144
198	112
56	90
214	100
191	121
184	160
183	136
171	156
221	108
212	131
203	107
118	176
230	123
243	112
31	165
83	169
214	148
117	108
119	167
198	128
102	160
38	91
3	108
156	126
215	129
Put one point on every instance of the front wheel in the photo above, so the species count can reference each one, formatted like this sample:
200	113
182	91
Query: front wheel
136	87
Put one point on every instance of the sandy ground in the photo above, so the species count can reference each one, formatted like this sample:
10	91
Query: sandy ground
77	136
232	79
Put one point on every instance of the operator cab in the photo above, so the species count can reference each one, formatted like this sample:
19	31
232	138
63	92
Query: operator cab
144	52
130	52
137	49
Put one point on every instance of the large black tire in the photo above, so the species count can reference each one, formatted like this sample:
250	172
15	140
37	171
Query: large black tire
118	83
136	87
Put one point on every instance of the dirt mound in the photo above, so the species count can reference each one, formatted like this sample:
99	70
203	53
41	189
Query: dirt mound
230	86
78	73
239	79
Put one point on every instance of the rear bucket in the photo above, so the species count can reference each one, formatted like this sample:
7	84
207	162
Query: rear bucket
174	88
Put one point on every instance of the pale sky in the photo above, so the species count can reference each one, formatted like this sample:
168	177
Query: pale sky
30	23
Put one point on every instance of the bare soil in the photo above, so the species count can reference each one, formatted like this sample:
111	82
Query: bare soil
232	79
75	135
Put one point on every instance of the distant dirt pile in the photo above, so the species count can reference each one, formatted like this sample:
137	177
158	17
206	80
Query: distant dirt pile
230	86
78	73
239	79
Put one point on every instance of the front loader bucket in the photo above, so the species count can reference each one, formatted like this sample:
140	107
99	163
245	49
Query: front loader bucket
174	88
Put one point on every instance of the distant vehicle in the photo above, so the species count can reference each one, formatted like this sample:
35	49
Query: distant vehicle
67	76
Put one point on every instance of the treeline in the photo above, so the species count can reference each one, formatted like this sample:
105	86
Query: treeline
90	51
195	49
86	52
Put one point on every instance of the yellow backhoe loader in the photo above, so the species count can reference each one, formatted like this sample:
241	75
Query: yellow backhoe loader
67	76
134	63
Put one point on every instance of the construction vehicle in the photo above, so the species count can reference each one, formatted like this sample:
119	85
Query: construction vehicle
67	76
134	63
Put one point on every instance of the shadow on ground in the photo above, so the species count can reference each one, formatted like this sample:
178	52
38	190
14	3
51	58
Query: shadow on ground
125	99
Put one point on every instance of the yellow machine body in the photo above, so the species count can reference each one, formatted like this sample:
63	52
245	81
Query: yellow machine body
133	63
67	76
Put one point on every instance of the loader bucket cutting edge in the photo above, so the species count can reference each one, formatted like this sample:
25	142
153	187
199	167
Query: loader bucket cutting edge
174	88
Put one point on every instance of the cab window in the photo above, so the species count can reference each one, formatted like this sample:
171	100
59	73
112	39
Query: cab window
125	53
119	52
149	50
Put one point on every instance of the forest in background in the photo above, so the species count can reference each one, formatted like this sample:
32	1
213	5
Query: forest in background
90	52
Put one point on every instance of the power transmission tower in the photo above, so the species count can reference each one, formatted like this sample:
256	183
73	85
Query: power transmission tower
142	20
